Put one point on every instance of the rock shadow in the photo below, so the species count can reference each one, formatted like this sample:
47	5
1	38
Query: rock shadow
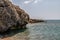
11	32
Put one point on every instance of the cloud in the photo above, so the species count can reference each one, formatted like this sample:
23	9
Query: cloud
27	2
33	1
36	1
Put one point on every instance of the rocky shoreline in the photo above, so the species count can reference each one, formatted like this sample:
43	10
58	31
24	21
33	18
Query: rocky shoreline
35	21
12	16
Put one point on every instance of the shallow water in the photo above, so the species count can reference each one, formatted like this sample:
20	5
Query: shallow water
49	30
44	31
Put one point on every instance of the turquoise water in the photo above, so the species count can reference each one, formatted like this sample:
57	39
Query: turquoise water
44	31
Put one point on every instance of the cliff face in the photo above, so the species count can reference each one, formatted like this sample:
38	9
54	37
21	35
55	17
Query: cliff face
11	15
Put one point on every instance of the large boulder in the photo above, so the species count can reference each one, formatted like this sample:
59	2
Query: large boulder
12	16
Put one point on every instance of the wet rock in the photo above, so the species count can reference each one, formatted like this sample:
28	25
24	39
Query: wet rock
11	16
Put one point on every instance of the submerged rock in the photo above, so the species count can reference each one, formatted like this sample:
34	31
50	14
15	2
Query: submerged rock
12	16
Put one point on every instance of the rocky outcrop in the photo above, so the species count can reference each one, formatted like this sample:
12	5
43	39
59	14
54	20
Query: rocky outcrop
12	16
35	21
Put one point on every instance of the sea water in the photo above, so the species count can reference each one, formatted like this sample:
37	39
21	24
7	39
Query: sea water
49	30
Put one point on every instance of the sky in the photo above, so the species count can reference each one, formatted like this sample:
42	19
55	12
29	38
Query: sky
40	9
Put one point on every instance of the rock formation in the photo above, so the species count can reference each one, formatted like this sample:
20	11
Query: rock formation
35	21
12	16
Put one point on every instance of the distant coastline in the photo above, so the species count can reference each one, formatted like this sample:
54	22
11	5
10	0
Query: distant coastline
36	21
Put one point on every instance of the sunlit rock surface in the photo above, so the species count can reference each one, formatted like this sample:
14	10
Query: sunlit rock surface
11	16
